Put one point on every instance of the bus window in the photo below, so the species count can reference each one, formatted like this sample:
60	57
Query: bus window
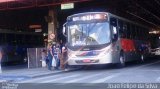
121	32
11	39
141	34
113	24
2	38
23	40
146	34
133	31
124	30
128	31
137	33
19	39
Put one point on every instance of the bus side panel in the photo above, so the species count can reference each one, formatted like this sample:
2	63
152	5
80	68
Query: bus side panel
115	52
129	48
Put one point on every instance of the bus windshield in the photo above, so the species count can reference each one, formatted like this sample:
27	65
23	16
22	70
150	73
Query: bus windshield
89	34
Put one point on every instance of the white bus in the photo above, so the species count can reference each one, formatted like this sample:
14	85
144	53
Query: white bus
101	38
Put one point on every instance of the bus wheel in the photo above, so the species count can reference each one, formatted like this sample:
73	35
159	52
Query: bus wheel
121	61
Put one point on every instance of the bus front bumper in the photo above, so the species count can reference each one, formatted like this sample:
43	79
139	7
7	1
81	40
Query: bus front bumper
90	61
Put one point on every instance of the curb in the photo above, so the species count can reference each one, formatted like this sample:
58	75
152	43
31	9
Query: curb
43	75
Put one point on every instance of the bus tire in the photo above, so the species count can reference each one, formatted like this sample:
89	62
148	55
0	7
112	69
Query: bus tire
122	62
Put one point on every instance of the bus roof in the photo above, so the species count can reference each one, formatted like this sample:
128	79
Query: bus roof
109	14
86	13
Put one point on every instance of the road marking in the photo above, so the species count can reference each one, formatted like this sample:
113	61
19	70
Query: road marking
105	78
83	78
41	79
158	79
1	81
60	78
146	70
42	73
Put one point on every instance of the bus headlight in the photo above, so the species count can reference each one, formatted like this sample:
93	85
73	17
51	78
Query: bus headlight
71	55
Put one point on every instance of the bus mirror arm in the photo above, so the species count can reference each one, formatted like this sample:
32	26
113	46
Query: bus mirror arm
64	30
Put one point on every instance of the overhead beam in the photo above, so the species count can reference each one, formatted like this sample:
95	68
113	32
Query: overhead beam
148	12
157	2
35	4
142	19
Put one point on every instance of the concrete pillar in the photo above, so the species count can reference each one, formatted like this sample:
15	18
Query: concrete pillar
52	24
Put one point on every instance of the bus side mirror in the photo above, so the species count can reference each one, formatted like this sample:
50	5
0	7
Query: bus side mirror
64	30
115	34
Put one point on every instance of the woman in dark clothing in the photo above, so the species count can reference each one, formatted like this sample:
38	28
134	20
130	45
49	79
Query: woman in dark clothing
50	57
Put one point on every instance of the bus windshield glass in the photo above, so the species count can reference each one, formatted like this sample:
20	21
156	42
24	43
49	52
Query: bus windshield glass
89	34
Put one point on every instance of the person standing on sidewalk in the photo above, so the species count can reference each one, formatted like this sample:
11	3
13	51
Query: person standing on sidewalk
50	56
56	55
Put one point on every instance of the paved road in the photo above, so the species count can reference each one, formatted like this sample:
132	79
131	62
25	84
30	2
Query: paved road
148	72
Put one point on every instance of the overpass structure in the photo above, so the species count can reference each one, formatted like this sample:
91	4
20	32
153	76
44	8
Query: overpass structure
47	17
21	4
143	11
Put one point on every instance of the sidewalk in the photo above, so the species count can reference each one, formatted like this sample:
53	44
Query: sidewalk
22	74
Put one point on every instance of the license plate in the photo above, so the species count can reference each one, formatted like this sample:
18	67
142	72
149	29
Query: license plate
86	60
